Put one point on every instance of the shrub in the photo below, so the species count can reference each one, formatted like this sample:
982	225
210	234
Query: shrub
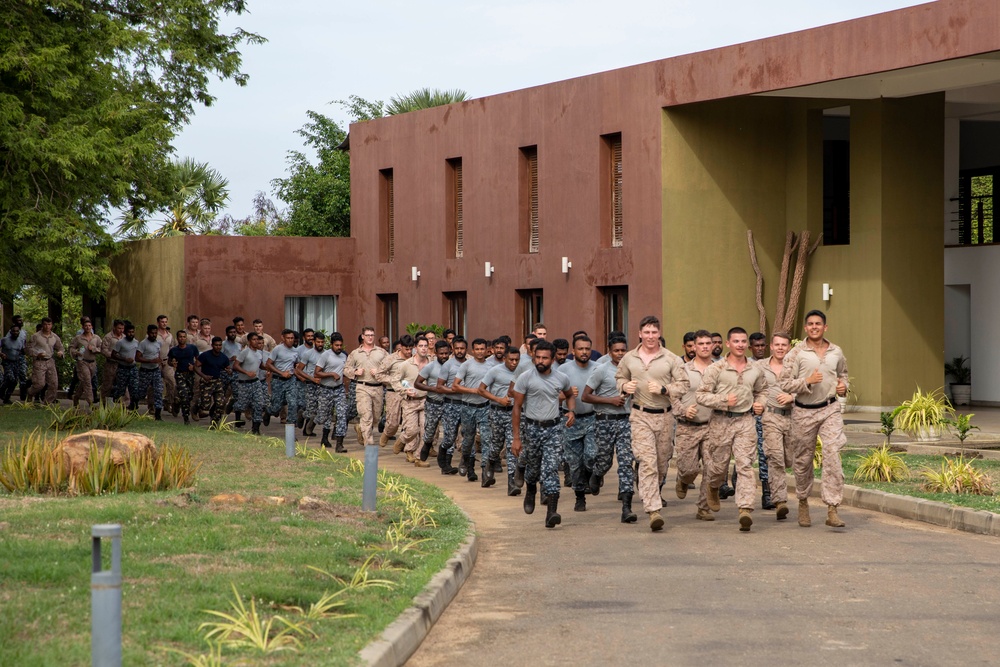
881	465
957	476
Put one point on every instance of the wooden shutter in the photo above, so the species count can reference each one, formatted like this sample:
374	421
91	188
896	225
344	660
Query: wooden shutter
459	244
616	194
532	160
391	223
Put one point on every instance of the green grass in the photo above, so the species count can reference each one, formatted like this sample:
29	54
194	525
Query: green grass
851	458
182	553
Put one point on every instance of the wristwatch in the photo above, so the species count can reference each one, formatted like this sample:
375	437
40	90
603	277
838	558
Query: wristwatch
663	390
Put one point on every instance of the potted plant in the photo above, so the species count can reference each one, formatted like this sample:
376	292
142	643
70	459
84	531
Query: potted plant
961	388
924	414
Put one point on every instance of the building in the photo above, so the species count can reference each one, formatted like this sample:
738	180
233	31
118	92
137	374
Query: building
591	202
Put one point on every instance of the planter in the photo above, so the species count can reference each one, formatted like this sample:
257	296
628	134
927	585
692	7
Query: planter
927	434
961	394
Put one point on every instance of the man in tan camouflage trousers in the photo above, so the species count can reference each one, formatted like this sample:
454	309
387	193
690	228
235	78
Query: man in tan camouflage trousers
691	436
776	422
735	389
388	371
816	372
652	374
360	369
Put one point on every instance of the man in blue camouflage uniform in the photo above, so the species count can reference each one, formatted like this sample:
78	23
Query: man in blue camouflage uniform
127	375
436	408
475	413
331	398
281	364
495	386
452	416
150	375
537	393
305	352
248	386
309	393
758	349
580	446
11	353
612	429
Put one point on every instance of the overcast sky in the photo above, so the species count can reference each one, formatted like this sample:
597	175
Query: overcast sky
319	51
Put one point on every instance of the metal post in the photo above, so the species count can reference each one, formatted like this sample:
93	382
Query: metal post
290	440
370	487
106	600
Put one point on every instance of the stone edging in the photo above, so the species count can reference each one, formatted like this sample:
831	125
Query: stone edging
403	636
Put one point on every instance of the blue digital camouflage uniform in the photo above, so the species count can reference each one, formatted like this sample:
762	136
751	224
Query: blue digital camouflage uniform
352	402
761	458
252	395
331	408
126	379
433	412
149	378
477	418
284	391
502	434
614	435
543	455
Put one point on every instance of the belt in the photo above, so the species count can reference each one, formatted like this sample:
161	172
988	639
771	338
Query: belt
816	406
585	415
389	389
149	369
372	384
652	411
251	380
478	405
610	416
504	408
731	415
688	422
784	412
544	424
281	379
452	400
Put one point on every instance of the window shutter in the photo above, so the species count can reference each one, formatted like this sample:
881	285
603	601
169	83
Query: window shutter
459	245
533	201
616	194
390	205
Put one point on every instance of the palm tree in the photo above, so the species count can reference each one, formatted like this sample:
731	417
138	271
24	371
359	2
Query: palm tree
424	98
198	193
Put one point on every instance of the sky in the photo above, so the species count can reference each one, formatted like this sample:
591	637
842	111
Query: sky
320	51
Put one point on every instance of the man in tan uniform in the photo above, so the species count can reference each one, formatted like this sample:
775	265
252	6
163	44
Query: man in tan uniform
269	342
84	348
361	367
110	365
735	389
166	370
413	400
776	422
44	347
691	436
388	372
653	375
816	372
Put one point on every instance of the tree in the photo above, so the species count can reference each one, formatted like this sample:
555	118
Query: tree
424	98
92	92
197	193
266	220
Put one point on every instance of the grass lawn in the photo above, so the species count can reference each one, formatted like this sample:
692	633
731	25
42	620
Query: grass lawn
912	487
182	553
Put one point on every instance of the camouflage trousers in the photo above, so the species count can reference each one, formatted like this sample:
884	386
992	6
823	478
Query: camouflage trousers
761	455
108	377
11	368
543	455
251	398
580	450
301	399
412	424
331	409
352	401
85	372
733	436
447	414
284	392
369	402
652	446
777	448
393	412
476	418
44	378
614	438
310	401
150	380
212	398
185	391
126	379
828	425
690	447
502	434
22	372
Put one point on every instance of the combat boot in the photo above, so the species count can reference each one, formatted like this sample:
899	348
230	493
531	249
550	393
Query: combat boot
300	422
782	512
488	476
463	467
681	488
383	440
552	518
518	476
339	445
745	519
655	521
529	498
410	458
471	468
713	499
267	418
704	515
765	497
432	453
596	482
628	516
512	489
448	469
567	476
326	438
421	464
157	416
255	428
581	502
804	519
832	519
398	446
361	436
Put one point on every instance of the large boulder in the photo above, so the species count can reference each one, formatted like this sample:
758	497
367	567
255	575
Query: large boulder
76	448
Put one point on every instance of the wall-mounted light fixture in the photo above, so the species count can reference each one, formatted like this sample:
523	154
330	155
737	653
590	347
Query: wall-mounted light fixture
827	292
414	273
490	269
566	265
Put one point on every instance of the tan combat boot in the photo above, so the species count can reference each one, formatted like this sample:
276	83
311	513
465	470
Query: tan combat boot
398	446
655	521
410	458
832	519
681	488
421	464
383	441
361	436
745	519
804	519
704	515
714	503
782	510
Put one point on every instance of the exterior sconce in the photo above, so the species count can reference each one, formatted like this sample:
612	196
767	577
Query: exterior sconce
490	269
414	273
827	292
566	265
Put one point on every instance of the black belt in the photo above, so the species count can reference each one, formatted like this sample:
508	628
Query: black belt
731	415
652	411
149	369
452	400
505	408
816	406
543	424
688	422
478	405
612	416
278	377
784	412
389	389
250	381
372	384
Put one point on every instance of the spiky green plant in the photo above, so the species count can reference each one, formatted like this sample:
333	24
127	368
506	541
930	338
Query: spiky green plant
962	425
881	465
246	627
957	476
923	411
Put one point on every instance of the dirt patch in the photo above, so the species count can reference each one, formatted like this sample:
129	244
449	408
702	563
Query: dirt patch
180	500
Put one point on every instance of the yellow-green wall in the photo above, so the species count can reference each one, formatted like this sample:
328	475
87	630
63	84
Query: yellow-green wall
149	281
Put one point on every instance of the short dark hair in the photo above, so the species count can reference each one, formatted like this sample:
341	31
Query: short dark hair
480	341
285	332
441	344
649	320
150	327
319	335
458	339
585	338
817	313
238	319
512	349
419	337
577	334
230	328
406	340
335	336
160	317
715	333
560	344
702	333
305	331
253	335
735	330
505	339
193	317
757	336
128	325
615	340
46	320
544	345
689	337
117	322
448	331
258	321
216	339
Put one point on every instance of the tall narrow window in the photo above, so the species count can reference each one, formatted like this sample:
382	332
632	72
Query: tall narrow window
975	206
457	303
386	214
837	176
615	309
531	309
611	199
528	195
454	215
314	312
388	315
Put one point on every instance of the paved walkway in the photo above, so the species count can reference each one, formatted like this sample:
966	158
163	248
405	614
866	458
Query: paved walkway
596	592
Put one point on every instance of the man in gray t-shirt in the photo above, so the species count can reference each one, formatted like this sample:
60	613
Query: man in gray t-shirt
475	414
580	447
127	375
436	409
150	376
495	386
281	363
11	353
248	387
332	398
537	393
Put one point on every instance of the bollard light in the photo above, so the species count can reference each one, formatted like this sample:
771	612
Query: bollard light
106	599
290	440
370	483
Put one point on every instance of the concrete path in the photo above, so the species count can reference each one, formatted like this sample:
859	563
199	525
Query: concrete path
594	591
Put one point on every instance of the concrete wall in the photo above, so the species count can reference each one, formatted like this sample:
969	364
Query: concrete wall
149	281
979	268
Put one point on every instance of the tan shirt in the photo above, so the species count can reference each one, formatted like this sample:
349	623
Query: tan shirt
83	348
801	361
721	379
166	342
108	344
366	360
773	389
388	371
666	368
682	403
39	343
203	344
409	370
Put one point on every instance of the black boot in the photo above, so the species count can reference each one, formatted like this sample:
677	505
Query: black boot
765	497
628	516
529	498
595	483
471	463
567	476
488	478
463	467
339	448
512	489
552	518
187	417
267	418
157	416
518	476
255	428
581	502
727	491
238	419
299	421
447	468
326	438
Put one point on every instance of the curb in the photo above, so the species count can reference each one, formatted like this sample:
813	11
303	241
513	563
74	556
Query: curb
401	639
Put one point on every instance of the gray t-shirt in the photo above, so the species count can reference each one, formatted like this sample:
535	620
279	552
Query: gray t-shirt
541	393
498	380
449	371
602	383
492	361
252	361
471	373
308	356
13	348
603	360
429	374
149	349
231	350
284	357
578	376
126	351
331	362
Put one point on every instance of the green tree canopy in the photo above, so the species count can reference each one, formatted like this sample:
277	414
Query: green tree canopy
92	92
424	98
197	193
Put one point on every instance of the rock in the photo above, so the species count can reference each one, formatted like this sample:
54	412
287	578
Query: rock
76	448
228	499
272	500
310	503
